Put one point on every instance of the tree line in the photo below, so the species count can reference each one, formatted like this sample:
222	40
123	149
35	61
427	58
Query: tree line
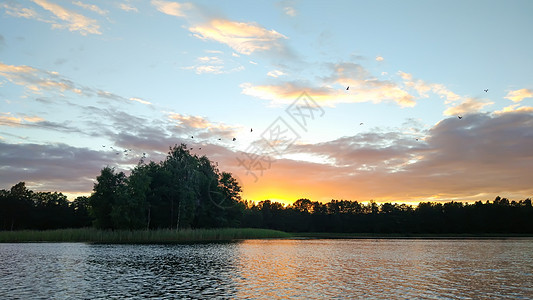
187	191
344	216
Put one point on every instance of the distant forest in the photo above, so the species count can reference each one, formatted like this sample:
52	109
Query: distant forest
187	191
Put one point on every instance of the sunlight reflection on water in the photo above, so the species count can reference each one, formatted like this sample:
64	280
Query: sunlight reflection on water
257	269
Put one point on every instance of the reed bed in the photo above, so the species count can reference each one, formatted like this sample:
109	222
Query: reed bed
91	235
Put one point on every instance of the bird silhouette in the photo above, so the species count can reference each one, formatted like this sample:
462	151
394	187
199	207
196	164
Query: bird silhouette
251	130
192	137
360	123
200	148
416	139
486	90
219	139
348	88
234	139
460	117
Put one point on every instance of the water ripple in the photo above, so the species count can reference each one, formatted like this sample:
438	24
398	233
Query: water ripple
271	269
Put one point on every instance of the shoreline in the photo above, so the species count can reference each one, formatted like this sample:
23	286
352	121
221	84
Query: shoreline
413	236
160	236
167	236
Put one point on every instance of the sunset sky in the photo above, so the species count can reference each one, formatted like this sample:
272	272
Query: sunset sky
80	77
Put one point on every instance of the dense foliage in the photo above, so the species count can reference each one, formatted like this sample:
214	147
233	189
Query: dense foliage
183	191
499	216
187	191
21	208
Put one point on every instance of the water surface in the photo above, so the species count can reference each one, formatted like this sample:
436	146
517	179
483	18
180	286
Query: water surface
260	269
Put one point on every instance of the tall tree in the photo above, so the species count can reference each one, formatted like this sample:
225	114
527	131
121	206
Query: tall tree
106	191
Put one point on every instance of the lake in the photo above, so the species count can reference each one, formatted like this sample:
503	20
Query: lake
266	269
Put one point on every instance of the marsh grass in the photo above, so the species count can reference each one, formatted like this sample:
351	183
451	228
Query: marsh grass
91	235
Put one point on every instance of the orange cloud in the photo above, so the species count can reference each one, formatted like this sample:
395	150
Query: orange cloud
73	21
519	95
360	91
423	88
6	119
471	159
470	105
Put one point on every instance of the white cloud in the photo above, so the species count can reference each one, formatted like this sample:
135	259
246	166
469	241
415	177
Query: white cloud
128	7
289	11
91	7
172	8
140	100
244	38
276	73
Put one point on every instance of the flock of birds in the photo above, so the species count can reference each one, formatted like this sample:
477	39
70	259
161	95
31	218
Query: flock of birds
127	151
459	117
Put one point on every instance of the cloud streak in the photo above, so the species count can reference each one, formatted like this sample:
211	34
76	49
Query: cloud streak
69	19
37	81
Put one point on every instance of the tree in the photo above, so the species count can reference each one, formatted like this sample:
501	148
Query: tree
106	191
15	207
130	207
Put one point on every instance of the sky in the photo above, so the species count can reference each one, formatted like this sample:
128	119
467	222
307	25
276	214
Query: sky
391	101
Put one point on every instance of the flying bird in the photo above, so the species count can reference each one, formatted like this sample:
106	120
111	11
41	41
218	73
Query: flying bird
486	90
251	130
192	137
460	117
234	139
200	148
219	139
361	123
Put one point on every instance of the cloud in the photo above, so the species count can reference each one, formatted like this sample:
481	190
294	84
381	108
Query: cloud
379	58
212	65
276	73
244	38
289	11
56	167
38	81
519	95
172	8
128	7
332	89
423	88
288	7
16	10
459	159
470	105
515	108
7	119
71	20
140	100
91	7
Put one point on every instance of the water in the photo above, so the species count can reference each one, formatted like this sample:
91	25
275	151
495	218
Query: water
266	269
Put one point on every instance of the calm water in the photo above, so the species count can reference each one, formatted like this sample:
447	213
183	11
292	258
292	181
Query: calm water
256	269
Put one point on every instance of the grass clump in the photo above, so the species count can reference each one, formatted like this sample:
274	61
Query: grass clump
91	235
